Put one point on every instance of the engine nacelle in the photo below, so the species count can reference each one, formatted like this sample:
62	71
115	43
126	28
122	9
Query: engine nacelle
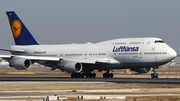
20	63
72	67
142	70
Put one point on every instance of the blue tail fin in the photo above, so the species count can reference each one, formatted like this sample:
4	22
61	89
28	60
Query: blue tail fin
20	33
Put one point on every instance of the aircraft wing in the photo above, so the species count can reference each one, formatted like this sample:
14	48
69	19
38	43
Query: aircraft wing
71	65
58	59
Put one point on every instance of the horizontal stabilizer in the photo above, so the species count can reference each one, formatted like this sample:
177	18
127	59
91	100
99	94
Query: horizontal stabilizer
13	51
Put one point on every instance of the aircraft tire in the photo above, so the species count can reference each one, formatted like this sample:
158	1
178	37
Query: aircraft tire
106	75
154	75
82	75
72	75
93	75
88	76
111	75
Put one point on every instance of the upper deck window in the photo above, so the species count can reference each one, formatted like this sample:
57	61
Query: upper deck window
120	43
159	41
135	42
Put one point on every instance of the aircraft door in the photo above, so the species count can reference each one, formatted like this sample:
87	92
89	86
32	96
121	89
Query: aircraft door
86	54
153	49
61	54
155	58
140	54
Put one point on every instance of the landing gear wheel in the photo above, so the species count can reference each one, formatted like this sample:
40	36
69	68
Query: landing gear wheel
104	75
91	75
72	75
87	75
154	74
111	75
77	75
82	75
108	75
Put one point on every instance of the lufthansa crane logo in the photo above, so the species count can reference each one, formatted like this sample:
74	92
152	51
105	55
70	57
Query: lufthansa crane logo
16	28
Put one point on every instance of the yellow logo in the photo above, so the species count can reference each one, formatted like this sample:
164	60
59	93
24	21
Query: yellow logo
16	28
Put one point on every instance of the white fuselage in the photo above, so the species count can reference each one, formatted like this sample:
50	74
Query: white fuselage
128	52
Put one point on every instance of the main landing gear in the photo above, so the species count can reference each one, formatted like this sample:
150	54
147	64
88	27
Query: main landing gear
89	74
77	75
82	75
154	74
108	75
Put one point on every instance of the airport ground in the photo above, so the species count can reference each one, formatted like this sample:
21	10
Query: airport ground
36	90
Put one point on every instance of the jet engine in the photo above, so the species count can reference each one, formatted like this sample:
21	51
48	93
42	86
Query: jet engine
142	70
20	63
72	67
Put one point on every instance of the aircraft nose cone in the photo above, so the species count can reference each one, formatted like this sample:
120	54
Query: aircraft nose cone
173	53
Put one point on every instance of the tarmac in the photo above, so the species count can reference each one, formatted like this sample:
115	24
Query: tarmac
35	86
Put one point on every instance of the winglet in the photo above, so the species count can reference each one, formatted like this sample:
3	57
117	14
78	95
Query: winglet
20	33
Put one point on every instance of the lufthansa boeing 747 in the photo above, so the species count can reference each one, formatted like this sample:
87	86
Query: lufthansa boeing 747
138	54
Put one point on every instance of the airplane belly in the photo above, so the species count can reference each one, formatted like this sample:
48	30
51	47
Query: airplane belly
121	59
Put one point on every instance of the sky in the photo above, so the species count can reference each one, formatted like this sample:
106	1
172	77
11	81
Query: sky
80	21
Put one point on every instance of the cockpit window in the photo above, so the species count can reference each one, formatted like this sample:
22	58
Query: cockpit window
159	41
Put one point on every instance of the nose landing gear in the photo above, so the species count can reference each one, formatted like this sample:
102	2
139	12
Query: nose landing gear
154	74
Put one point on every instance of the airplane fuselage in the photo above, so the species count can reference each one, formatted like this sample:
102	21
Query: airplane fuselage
123	53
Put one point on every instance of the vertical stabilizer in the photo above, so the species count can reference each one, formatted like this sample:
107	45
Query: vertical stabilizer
20	33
